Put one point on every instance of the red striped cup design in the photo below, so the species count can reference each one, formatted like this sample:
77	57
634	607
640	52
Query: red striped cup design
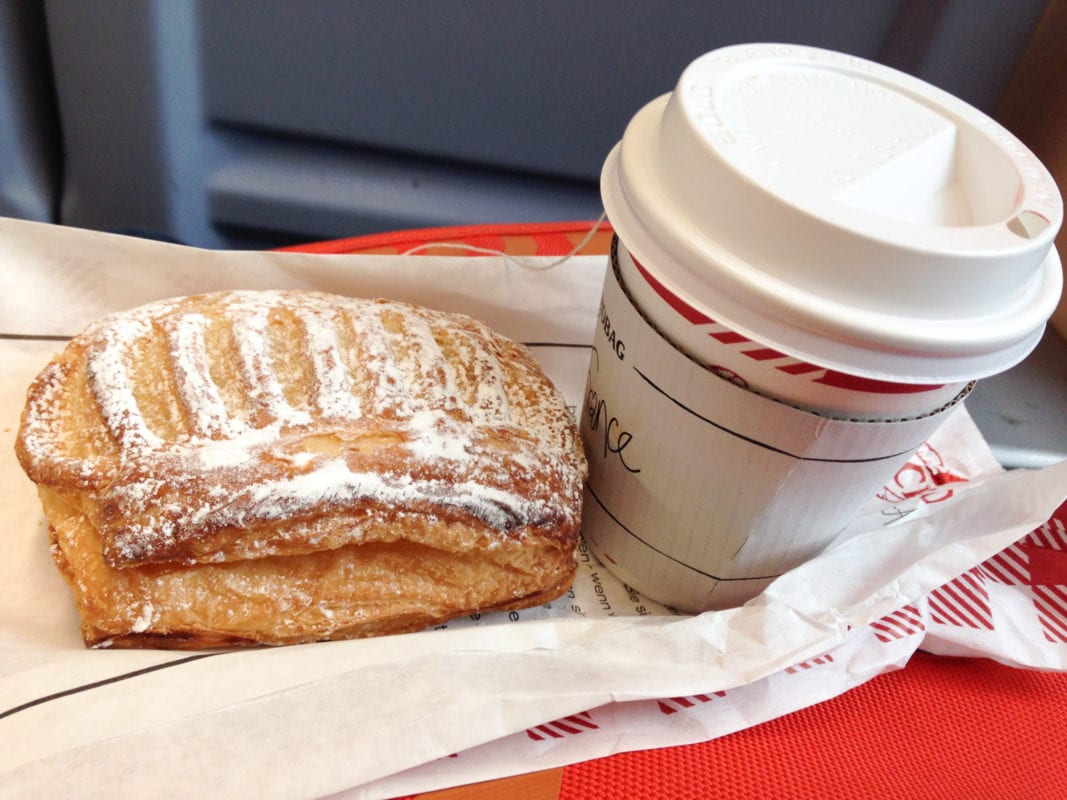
764	369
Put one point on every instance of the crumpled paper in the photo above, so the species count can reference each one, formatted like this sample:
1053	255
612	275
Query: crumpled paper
955	556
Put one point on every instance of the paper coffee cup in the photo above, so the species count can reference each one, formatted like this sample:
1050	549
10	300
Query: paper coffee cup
847	219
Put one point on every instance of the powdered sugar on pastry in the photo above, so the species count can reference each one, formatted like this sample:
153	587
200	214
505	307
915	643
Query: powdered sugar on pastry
274	412
111	385
198	391
334	391
250	333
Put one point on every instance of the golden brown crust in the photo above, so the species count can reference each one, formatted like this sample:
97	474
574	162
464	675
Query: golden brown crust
281	467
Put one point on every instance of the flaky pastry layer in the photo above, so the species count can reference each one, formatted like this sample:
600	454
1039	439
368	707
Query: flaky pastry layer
277	467
390	585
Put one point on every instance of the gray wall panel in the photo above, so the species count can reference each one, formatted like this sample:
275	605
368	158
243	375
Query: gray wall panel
259	122
29	139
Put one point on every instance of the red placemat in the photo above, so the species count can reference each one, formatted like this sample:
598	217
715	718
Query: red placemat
940	728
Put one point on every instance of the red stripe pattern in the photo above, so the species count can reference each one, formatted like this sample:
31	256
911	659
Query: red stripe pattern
758	352
729	337
1039	562
804	666
800	368
675	704
674	301
963	602
562	728
840	380
903	622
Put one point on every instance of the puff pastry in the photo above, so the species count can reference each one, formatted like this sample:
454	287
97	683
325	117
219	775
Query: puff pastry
251	468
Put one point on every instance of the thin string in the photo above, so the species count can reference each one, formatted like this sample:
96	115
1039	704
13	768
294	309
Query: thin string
489	251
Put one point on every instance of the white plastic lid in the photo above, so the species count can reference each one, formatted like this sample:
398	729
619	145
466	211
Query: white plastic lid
841	212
